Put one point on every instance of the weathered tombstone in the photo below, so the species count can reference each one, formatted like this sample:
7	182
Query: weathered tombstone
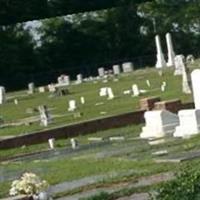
51	142
45	117
79	78
103	92
72	105
170	48
31	88
82	100
135	89
179	65
186	80
189	123
41	89
127	67
161	63
101	72
2	95
110	94
195	85
159	124
190	59
74	143
116	69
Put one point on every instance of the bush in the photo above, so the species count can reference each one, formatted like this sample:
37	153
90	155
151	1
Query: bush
185	187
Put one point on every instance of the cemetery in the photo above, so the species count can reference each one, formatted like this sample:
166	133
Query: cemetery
99	107
118	156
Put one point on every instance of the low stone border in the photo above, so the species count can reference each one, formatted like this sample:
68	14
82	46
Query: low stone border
117	121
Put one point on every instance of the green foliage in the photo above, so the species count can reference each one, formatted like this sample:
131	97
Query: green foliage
185	187
100	196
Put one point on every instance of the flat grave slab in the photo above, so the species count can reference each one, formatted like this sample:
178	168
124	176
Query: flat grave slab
185	156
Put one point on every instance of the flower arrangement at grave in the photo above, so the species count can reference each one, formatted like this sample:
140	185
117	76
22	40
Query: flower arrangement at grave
28	184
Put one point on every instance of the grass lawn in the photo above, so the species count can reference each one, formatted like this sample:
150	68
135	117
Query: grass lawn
121	104
115	157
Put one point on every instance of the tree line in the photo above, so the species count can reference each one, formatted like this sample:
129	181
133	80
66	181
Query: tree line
82	42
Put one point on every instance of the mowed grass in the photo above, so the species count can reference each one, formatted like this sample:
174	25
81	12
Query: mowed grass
121	104
130	155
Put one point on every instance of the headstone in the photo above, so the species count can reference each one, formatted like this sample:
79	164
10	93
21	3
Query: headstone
190	59
2	95
170	48
189	123
135	89
41	89
148	83
45	117
179	65
72	105
127	92
186	80
161	63
64	80
51	88
82	100
16	102
127	67
116	69
110	94
159	124
31	88
105	81
101	72
51	142
117	138
163	86
74	143
195	85
103	92
79	78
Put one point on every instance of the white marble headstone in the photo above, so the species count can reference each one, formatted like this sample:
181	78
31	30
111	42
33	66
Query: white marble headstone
189	123
103	92
82	100
41	89
31	88
116	69
51	142
179	65
135	89
2	95
190	59
159	124
148	83
45	117
101	72
79	78
74	143
196	87
127	67
186	80
51	88
161	63
72	105
170	48
110	93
